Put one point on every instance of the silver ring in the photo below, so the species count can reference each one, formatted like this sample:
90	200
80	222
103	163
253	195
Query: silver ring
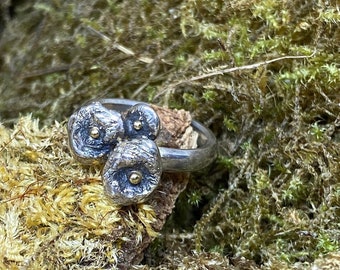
120	133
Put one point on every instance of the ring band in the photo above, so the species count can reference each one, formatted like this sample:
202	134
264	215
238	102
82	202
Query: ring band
177	160
121	134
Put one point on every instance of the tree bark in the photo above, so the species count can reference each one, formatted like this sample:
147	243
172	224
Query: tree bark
176	132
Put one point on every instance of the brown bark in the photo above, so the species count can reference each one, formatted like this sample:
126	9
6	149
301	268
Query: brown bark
176	132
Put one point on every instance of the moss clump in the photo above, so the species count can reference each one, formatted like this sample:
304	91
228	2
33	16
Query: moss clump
279	161
271	200
53	211
58	54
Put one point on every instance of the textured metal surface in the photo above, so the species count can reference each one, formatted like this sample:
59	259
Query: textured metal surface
175	160
93	132
137	156
120	132
141	120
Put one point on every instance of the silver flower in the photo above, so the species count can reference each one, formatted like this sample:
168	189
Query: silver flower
94	131
141	121
132	171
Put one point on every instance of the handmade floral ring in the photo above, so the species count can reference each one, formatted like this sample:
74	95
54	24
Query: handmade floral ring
121	133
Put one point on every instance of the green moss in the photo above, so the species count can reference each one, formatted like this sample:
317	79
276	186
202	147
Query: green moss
271	200
49	211
194	198
230	124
